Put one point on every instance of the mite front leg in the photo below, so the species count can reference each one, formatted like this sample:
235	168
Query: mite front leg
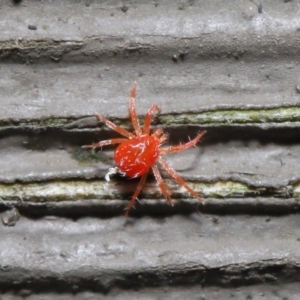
154	108
132	111
115	127
104	143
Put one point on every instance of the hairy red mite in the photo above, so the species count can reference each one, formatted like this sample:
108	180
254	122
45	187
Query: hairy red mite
139	152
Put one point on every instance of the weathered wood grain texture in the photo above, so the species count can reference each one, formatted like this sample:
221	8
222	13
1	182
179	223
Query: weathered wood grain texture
229	68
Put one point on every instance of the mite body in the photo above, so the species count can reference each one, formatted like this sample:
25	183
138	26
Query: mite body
140	151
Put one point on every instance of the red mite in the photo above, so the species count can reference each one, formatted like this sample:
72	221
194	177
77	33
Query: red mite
139	152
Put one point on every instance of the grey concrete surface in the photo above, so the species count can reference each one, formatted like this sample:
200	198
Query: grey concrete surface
231	68
102	254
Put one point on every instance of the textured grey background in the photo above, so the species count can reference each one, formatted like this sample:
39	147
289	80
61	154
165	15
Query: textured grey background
227	67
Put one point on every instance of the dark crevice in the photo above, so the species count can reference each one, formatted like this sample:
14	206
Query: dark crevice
103	281
47	138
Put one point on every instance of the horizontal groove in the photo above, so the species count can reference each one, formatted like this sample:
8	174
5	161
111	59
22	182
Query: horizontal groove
116	46
103	280
236	116
71	190
20	43
232	116
23	50
149	207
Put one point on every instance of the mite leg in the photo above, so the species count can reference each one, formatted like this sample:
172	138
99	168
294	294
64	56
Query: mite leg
175	175
182	147
104	143
132	111
115	127
161	184
154	108
136	193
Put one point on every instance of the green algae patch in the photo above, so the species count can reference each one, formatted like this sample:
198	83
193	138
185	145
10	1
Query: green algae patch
73	190
44	122
86	157
296	190
215	117
218	189
235	116
58	191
